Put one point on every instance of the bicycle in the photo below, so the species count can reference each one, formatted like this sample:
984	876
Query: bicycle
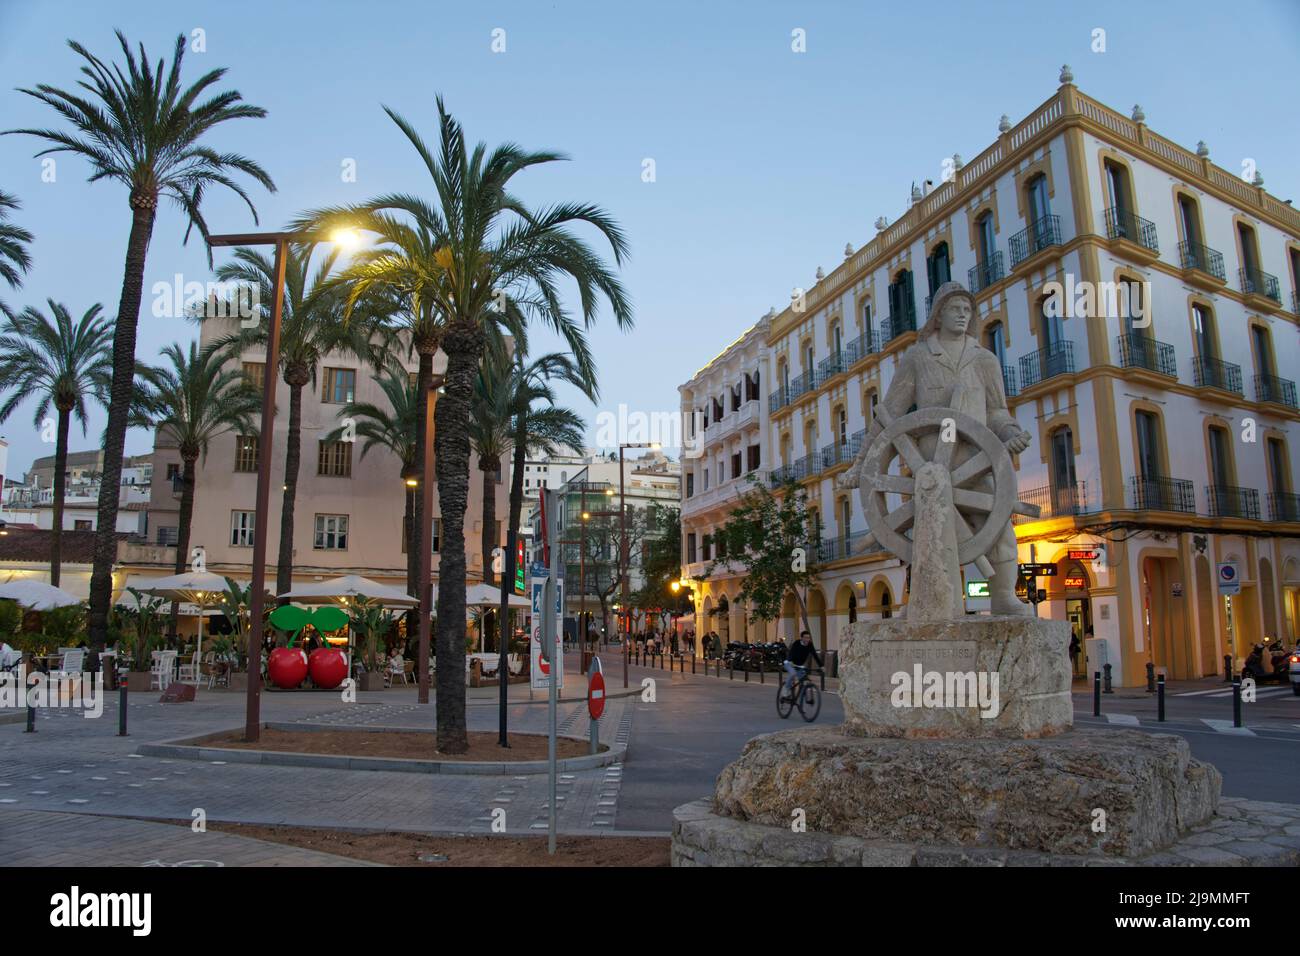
804	694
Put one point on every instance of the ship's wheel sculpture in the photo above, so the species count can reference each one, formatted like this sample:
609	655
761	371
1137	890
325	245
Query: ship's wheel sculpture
983	482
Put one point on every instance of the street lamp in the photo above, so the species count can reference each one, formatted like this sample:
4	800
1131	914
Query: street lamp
281	240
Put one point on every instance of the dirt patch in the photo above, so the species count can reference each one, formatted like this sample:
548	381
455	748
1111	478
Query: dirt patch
412	745
406	849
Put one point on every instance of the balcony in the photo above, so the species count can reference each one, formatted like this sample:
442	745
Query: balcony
1009	381
786	394
1138	351
1261	285
1279	391
984	274
1283	506
1039	366
895	325
778	399
1212	373
1055	501
797	470
844	546
1163	494
831	366
868	343
1193	257
841	453
1229	501
1039	235
1124	225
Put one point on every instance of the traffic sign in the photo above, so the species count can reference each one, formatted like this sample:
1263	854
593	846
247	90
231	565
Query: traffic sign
1038	570
541	668
595	690
1229	582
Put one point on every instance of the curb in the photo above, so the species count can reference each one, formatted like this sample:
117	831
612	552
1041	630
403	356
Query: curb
184	749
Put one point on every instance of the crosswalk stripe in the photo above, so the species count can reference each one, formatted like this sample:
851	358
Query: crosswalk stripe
1127	720
1225	727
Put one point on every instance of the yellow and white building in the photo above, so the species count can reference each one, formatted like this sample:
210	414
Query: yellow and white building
1145	303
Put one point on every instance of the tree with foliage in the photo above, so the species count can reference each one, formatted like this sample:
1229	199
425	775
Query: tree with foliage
770	538
140	128
486	260
662	566
15	260
58	362
601	545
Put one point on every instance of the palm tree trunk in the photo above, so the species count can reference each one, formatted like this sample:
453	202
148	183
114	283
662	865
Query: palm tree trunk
464	347
512	532
423	523
183	531
119	409
488	540
60	489
292	455
412	554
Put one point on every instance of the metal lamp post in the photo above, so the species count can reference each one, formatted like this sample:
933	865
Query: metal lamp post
281	240
622	548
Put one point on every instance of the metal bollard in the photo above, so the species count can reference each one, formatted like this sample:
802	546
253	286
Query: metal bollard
692	664
823	673
31	712
1227	668
1160	698
1236	701
1096	693
1106	689
746	672
661	660
731	669
761	668
1151	678
121	709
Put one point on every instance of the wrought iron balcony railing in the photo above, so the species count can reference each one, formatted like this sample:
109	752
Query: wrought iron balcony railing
1040	234
983	274
1279	391
1212	373
868	343
1258	282
1152	493
843	546
1122	224
842	452
1138	351
1009	381
1229	501
1194	255
1283	506
1039	366
831	366
1056	501
895	325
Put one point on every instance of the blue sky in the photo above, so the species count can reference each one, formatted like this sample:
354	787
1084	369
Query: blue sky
767	161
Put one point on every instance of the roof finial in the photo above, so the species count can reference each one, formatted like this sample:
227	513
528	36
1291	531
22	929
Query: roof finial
1004	124
1202	150
1138	115
1066	75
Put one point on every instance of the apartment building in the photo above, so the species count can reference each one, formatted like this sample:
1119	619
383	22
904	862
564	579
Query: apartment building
1144	303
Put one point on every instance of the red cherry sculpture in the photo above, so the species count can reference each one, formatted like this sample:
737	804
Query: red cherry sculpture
328	667
287	667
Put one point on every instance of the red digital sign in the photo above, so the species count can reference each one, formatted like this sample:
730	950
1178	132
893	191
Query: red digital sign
1083	555
1076	582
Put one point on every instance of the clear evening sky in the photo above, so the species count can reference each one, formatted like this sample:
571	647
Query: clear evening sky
766	161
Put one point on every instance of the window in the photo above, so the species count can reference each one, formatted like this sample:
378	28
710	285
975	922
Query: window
984	238
1220	463
846	516
735	398
331	533
245	453
735	465
808	363
837	339
1117	193
753	458
690	548
1263	350
902	304
1203	332
167	537
1278	473
1050	327
751	387
1148	436
81	524
995	342
173	470
334	458
340	386
937	268
690	483
1039	207
866	323
1132	305
843	427
1187	216
242	524
706	547
705	474
255	372
1249	251
1062	468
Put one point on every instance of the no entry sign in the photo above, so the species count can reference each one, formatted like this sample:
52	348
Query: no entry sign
595	690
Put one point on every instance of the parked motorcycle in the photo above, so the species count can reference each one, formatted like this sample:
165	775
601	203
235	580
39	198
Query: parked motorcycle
1262	666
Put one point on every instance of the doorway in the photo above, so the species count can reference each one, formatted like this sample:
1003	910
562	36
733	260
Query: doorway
1078	611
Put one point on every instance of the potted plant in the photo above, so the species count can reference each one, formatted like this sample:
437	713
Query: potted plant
143	629
371	622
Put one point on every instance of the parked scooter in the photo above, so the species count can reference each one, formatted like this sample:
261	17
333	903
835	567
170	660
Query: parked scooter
1276	667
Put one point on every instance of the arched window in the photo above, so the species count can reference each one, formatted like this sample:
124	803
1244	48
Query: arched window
938	269
1065	499
837	339
995	342
842	427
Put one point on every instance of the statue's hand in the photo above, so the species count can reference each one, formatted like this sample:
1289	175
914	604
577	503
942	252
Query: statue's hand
1019	442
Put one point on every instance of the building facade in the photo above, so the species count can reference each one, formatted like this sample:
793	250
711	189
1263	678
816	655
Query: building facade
1144	303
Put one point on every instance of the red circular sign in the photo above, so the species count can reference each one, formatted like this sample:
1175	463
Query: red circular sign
596	694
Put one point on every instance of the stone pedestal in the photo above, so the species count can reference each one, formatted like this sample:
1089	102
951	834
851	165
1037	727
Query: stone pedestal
969	678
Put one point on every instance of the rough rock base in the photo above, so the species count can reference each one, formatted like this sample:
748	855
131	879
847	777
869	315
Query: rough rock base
1242	833
1040	795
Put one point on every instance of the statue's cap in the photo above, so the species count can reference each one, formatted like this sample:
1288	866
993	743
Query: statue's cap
946	292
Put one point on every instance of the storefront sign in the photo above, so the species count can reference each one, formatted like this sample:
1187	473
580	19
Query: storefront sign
977	589
1076	582
1083	555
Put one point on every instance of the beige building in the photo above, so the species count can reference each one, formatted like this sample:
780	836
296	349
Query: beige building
1145	304
349	507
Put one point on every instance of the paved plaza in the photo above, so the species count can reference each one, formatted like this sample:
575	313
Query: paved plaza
66	790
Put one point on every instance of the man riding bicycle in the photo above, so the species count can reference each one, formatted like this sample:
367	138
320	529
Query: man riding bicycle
795	660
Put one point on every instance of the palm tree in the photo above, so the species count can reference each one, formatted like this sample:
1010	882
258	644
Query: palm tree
486	261
198	399
396	429
59	362
140	128
504	393
312	326
14	258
